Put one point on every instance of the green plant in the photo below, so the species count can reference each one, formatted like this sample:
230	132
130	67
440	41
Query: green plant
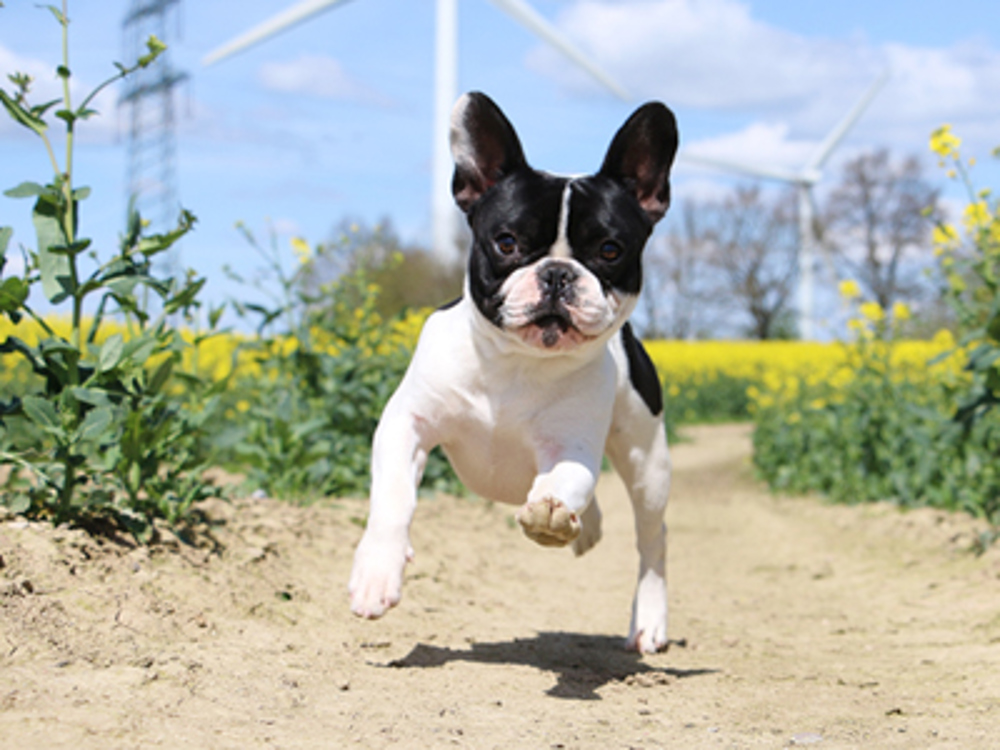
315	380
883	432
102	435
972	273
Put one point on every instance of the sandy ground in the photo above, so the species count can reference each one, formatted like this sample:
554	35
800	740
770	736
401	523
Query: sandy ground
793	623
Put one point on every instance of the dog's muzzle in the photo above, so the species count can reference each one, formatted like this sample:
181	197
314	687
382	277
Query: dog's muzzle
556	282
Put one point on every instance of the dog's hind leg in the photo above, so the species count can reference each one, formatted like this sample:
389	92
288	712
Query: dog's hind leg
591	532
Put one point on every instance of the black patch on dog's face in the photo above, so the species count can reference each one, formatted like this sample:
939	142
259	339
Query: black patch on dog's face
525	206
607	232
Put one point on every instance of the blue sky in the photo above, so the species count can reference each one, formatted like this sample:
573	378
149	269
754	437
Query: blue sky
332	119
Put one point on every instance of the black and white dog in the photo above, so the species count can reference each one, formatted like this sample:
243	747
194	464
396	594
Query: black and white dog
534	373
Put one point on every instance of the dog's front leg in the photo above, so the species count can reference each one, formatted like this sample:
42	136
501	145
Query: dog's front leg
558	498
399	454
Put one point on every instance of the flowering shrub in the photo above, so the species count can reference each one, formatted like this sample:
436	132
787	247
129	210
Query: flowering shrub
885	427
878	429
710	381
302	403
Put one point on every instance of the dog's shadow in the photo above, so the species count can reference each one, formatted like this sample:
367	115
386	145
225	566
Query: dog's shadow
582	663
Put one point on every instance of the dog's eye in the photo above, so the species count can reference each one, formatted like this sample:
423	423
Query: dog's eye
506	243
610	251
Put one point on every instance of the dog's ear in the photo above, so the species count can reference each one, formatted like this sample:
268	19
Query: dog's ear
641	154
484	146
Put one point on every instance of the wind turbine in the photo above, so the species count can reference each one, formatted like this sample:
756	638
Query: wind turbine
444	214
803	180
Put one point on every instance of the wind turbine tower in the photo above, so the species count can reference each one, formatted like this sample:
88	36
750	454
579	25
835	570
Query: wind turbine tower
149	100
803	181
444	215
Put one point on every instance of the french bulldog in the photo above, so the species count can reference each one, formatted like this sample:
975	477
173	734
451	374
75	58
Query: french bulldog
534	374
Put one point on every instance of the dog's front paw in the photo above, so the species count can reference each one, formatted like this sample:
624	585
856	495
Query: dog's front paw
549	522
377	577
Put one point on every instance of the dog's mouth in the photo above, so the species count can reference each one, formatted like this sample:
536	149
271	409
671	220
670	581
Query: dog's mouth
553	326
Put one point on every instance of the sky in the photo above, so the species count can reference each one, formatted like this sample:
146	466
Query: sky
331	120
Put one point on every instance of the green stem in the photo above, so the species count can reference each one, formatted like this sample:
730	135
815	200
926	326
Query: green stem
69	214
52	154
38	319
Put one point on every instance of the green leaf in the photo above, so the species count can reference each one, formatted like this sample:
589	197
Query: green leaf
41	412
55	270
155	47
139	350
74	249
20	504
25	190
184	298
160	377
96	423
92	396
214	314
993	327
5	234
13	293
57	13
40	109
111	353
21	115
81	193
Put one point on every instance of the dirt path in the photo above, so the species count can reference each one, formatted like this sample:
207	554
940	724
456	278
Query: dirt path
794	623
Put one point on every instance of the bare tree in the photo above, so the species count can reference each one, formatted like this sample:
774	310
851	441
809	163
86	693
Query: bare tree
753	243
674	289
879	216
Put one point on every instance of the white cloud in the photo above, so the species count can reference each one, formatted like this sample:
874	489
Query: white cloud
713	55
707	54
317	75
766	144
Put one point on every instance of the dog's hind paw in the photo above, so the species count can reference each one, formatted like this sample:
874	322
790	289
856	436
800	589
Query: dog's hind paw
648	631
549	522
377	578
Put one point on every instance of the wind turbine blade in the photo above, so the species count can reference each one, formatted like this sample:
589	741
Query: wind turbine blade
287	18
752	170
836	135
528	17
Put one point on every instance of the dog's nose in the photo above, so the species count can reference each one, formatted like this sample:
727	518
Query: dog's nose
557	278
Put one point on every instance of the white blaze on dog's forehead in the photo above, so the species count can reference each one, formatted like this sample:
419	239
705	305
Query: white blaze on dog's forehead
561	248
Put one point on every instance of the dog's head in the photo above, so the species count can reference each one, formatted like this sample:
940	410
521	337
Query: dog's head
556	262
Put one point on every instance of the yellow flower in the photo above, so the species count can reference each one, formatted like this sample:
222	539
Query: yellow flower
944	235
900	311
976	215
944	143
301	249
849	289
872	311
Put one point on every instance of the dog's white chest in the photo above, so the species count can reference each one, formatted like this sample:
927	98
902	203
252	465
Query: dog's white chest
503	421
